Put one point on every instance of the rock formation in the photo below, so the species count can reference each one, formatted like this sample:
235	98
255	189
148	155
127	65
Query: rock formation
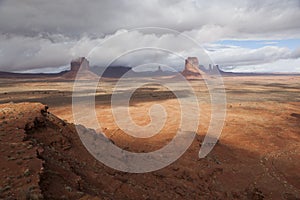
159	69
82	66
80	62
191	69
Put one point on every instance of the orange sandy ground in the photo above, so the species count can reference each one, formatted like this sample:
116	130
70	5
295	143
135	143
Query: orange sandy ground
257	157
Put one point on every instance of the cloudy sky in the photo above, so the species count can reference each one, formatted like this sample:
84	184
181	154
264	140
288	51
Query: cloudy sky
240	35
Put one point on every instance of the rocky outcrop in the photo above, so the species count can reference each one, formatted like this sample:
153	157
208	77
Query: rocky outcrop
191	69
41	155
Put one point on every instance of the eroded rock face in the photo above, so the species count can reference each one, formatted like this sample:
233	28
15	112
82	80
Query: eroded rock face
81	61
85	73
191	69
191	64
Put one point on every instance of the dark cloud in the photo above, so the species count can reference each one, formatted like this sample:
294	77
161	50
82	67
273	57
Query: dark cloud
105	17
37	34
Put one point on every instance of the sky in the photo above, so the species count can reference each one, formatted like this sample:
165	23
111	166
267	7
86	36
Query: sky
238	35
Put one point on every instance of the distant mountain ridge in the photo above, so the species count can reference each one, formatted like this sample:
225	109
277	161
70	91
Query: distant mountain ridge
192	70
30	75
119	71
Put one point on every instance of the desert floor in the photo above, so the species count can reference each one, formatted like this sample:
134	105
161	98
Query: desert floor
257	156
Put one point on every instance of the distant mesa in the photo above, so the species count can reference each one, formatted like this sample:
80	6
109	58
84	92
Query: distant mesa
159	70
214	69
111	71
119	71
191	69
194	70
81	64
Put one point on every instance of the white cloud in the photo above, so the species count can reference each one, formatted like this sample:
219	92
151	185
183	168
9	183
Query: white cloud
264	59
296	53
74	18
279	66
239	56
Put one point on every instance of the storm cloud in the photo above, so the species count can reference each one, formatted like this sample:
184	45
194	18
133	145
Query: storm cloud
43	34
